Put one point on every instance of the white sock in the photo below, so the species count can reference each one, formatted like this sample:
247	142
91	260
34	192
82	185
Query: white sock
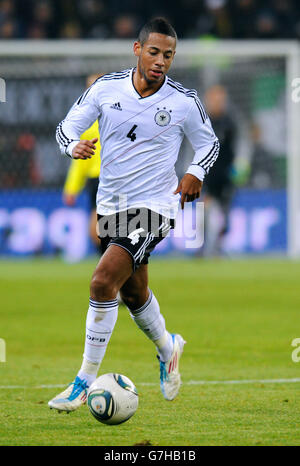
165	346
88	371
149	319
100	322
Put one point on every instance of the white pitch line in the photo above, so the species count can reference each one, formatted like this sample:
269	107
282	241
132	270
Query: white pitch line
238	382
150	384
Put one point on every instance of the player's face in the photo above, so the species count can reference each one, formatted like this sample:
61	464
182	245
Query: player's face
155	57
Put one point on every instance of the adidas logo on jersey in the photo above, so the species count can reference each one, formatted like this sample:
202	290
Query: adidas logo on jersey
116	106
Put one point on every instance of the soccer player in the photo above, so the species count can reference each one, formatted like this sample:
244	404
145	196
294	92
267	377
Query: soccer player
143	116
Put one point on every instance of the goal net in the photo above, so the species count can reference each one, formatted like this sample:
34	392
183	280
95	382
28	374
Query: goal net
41	80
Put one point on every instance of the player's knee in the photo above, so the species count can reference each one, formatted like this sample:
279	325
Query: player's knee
134	300
129	301
102	286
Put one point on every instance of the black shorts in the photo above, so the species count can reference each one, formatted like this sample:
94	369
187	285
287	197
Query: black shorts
137	231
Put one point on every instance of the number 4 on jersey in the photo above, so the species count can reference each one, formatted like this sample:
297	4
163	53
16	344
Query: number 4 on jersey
131	135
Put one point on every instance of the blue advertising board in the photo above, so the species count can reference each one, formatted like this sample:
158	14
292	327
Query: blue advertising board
37	223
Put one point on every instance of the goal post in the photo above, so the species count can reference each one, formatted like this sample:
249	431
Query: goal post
293	153
258	75
290	51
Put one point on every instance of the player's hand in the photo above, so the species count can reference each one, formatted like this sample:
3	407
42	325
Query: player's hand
69	199
85	149
190	187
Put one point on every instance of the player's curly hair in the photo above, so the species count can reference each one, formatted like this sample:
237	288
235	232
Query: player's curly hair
159	25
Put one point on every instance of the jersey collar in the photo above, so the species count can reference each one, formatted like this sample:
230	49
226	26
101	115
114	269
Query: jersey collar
135	92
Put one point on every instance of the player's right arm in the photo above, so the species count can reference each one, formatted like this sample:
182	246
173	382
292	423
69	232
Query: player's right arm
81	116
84	149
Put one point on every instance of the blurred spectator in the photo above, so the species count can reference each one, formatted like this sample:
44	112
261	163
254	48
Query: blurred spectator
218	184
125	27
286	15
25	155
263	170
239	19
10	25
217	11
36	31
243	16
94	18
8	29
70	30
266	25
19	152
7	10
42	25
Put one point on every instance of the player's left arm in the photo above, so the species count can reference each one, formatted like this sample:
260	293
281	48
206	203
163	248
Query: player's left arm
198	129
190	188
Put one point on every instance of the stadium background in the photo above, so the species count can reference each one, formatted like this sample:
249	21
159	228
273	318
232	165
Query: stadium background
40	90
99	19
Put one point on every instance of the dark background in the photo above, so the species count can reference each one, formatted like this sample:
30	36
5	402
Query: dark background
230	19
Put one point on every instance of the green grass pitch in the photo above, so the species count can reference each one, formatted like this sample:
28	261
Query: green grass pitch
238	317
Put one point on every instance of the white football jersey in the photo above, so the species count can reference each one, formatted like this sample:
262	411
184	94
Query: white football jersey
140	141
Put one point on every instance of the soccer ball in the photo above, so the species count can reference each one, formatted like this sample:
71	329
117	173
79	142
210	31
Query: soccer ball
112	398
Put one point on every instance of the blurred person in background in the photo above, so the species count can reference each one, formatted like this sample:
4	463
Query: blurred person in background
287	17
21	169
221	18
7	10
85	173
94	18
219	185
8	29
42	22
36	31
125	27
10	25
70	30
243	16
213	19
263	173
266	25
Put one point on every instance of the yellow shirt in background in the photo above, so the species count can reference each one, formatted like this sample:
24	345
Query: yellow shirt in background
80	170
